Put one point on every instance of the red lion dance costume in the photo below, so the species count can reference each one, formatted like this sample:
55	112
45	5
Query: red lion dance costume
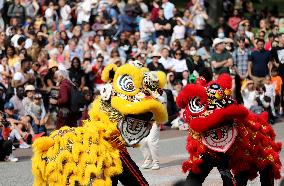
226	135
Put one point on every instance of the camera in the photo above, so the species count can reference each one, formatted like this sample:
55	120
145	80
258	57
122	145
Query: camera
4	121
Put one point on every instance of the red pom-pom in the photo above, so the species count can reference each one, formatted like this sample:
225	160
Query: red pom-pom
225	81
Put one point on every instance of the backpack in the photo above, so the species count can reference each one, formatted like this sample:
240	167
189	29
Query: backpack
76	101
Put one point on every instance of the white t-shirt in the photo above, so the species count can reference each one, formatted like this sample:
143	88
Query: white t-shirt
248	97
179	32
65	14
179	65
167	63
84	11
146	28
18	76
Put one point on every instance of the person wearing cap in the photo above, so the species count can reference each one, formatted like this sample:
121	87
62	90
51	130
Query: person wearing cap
16	124
221	60
260	64
154	65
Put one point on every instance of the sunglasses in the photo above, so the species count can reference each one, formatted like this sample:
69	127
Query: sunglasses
178	54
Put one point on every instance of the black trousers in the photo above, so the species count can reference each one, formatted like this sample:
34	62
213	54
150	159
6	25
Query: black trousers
131	175
5	149
266	175
206	167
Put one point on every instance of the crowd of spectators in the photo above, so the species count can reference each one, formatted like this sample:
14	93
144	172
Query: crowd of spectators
41	40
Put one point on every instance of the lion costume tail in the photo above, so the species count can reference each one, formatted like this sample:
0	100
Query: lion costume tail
75	156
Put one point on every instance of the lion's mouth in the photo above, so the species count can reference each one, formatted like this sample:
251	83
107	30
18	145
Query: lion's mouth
134	128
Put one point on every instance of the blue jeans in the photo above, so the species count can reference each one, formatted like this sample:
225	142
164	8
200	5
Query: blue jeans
38	128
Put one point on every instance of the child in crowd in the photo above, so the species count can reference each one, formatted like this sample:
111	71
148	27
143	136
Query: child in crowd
277	81
185	76
248	94
39	115
270	92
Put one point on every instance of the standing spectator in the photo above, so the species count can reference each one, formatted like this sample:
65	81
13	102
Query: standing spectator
162	26
240	59
17	101
221	60
16	10
259	63
13	58
168	9
155	65
277	81
64	116
76	74
146	28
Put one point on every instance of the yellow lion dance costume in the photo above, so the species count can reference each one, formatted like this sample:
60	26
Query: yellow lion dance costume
121	116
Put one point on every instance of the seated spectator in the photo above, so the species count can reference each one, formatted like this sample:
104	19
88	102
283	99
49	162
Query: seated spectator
162	26
146	28
170	81
165	59
23	76
17	126
6	145
17	101
97	71
38	114
179	64
155	65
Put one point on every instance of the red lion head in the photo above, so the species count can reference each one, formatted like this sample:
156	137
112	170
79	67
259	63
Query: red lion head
207	106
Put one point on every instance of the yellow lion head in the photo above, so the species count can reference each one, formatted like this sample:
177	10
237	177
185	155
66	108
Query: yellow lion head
130	100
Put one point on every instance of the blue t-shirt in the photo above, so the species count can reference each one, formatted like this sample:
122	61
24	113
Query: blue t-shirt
260	60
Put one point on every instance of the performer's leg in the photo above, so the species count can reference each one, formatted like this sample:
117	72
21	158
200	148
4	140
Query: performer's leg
224	170
266	177
197	179
131	175
241	179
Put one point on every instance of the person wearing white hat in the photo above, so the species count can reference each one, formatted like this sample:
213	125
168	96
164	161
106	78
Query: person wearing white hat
221	60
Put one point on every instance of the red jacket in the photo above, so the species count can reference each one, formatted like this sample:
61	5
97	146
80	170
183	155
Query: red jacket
64	94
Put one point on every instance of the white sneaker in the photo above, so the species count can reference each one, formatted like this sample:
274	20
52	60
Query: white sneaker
24	146
156	166
11	158
13	147
146	165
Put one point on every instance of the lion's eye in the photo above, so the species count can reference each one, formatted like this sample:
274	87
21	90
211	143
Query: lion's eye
126	83
195	106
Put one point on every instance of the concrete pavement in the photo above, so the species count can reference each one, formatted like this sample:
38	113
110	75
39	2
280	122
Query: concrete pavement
172	154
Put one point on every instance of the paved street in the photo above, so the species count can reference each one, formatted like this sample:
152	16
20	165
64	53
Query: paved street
172	154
